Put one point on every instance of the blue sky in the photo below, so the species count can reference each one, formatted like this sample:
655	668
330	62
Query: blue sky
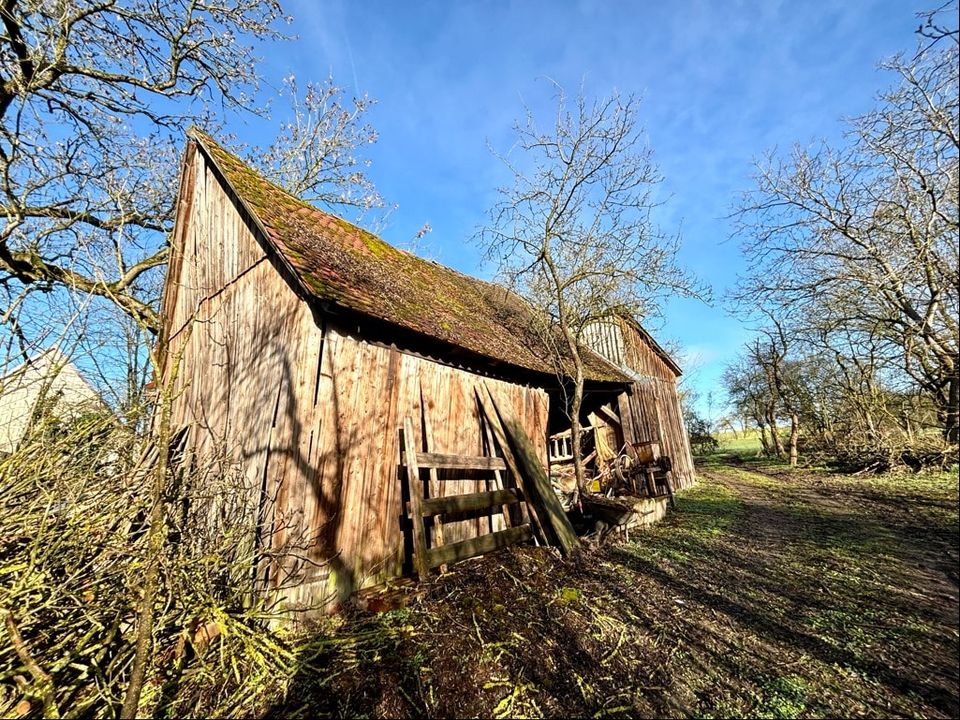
722	83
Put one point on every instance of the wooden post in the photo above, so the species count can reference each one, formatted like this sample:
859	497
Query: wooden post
669	483
437	532
651	482
416	500
537	489
494	420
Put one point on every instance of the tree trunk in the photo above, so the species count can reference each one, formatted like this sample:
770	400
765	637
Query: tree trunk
764	442
794	436
151	578
774	435
575	432
951	411
156	540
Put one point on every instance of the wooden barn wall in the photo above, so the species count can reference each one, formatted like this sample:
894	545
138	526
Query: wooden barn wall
308	413
655	403
655	412
653	409
640	357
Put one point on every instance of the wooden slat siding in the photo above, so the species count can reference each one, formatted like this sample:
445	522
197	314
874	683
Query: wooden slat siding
388	540
332	465
355	434
653	411
293	470
304	482
641	357
436	529
477	546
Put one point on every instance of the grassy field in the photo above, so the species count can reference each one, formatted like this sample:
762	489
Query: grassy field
742	443
768	592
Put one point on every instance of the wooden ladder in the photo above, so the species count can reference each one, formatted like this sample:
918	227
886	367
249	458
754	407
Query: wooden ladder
419	507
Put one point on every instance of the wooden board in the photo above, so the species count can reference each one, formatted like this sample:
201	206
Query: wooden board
471	501
478	545
415	484
537	488
459	462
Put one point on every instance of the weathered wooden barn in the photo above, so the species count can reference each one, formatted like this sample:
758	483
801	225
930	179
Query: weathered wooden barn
297	346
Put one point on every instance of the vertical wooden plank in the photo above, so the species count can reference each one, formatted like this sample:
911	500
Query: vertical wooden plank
416	500
430	446
503	520
626	418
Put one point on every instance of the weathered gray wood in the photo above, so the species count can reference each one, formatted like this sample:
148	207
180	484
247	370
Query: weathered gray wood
416	501
537	487
471	501
459	462
496	427
478	545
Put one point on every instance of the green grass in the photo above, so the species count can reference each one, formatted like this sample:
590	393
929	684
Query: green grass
741	442
765	593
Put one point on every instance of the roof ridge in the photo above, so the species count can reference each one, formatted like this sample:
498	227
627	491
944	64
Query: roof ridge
334	260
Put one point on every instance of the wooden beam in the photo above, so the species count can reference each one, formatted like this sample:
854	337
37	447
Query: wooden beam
549	506
458	462
416	501
471	501
478	546
609	415
627	423
493	419
537	488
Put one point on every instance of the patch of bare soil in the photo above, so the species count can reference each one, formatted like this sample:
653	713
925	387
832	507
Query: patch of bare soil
765	593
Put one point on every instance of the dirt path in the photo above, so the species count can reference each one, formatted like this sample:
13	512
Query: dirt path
883	549
766	593
905	520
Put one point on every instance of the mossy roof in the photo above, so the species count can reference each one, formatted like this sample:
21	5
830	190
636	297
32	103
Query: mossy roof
338	262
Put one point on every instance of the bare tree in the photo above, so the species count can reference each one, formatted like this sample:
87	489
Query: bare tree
866	234
94	102
574	234
316	153
95	99
746	389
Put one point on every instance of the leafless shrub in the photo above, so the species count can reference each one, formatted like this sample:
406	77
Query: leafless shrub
74	513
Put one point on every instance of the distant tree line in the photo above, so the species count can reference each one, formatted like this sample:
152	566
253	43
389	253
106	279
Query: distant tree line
853	277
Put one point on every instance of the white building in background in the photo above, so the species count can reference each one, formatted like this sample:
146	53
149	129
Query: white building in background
50	375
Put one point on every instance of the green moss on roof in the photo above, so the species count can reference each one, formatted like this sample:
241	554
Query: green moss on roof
339	262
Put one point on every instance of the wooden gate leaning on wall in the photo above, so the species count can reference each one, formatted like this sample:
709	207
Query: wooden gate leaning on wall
423	504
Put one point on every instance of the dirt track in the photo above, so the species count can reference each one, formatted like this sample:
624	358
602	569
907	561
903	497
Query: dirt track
766	593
